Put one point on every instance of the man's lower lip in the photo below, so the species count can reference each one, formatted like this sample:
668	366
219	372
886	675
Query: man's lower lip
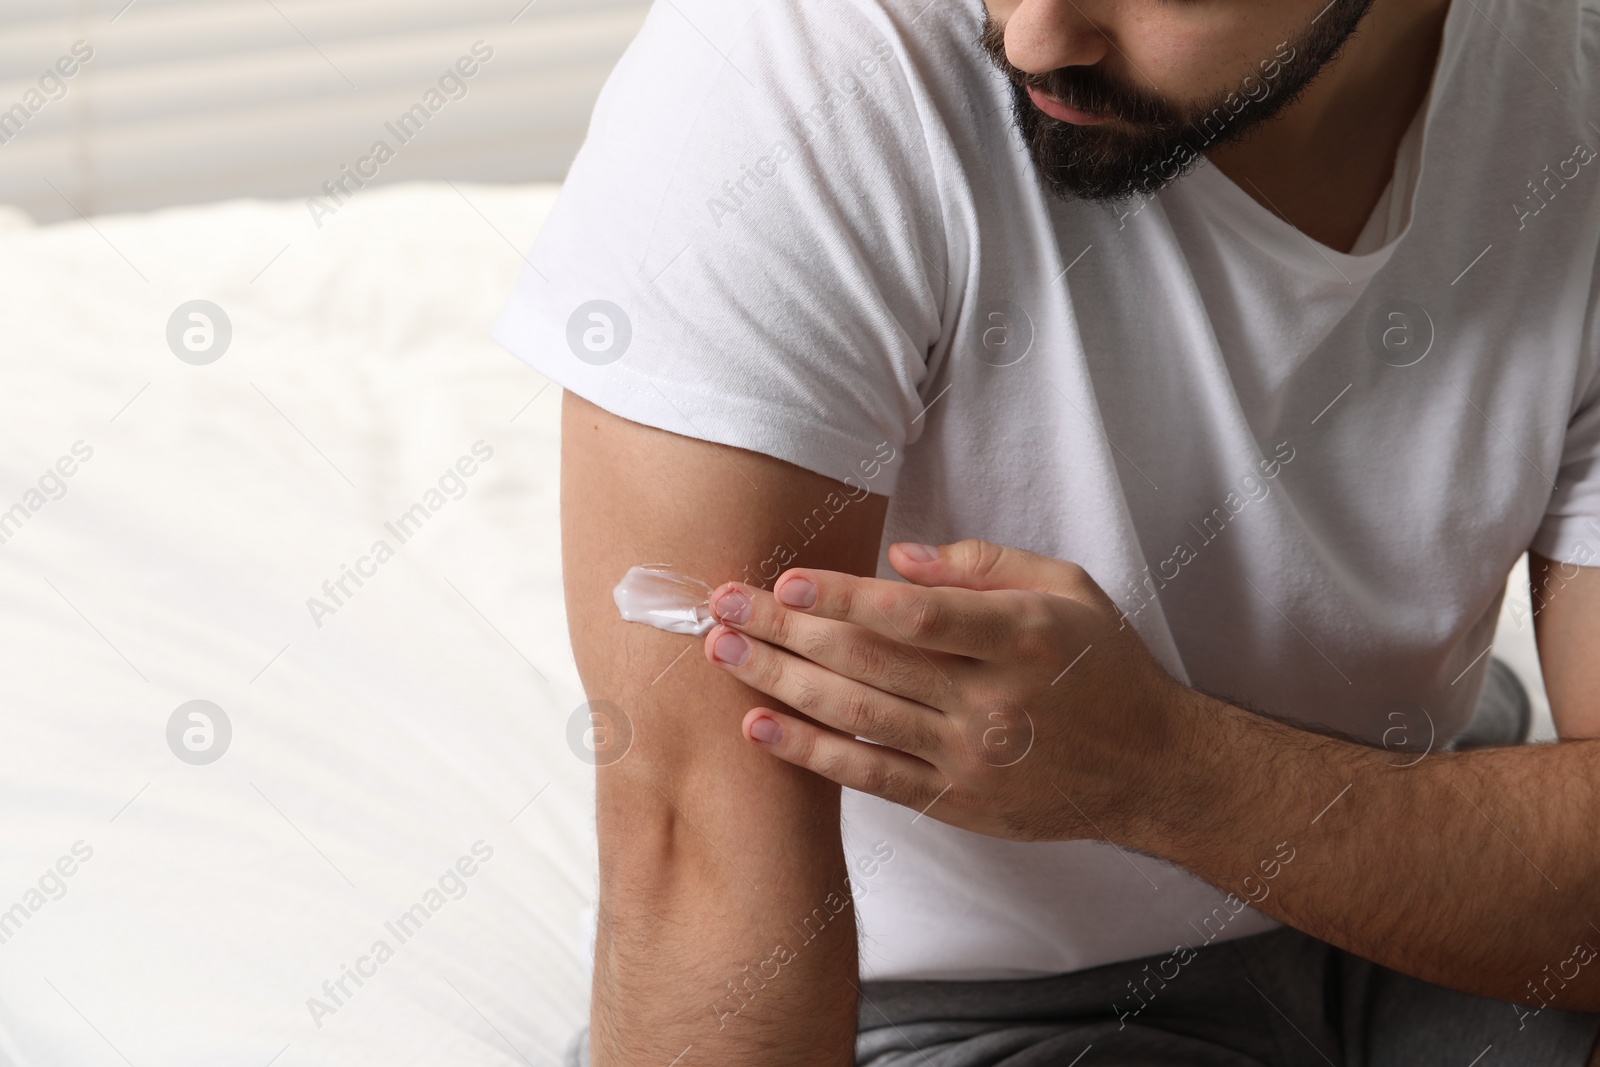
1057	110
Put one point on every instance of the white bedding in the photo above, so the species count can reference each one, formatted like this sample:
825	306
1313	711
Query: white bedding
369	753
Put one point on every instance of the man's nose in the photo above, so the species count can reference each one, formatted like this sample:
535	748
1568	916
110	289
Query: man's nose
1046	35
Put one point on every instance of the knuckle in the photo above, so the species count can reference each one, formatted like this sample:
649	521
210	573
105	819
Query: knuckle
832	764
908	674
966	552
1075	579
816	645
904	672
922	680
984	558
879	779
774	619
762	669
925	619
1033	633
804	748
857	712
981	632
1074	572
897	784
802	693
845	601
865	659
924	738
1008	714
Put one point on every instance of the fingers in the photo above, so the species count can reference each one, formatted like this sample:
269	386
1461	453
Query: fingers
976	564
858	709
926	677
960	622
874	769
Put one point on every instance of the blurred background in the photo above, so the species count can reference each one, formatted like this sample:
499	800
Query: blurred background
186	101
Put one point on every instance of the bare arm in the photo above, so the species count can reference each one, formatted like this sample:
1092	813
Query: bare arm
709	848
1477	869
1566	621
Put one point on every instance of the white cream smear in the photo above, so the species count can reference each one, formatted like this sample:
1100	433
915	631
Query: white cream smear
657	596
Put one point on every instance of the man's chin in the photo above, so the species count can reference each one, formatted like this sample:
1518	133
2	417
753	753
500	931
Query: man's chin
1108	163
1080	172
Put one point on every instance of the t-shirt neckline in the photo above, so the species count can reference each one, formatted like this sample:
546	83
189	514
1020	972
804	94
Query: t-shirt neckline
1222	197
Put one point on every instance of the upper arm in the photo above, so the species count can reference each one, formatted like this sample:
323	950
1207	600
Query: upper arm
1566	622
633	494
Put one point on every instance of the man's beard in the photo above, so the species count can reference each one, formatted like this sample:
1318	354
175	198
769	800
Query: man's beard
1157	142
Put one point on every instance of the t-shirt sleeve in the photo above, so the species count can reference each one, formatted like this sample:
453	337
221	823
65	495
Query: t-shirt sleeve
748	248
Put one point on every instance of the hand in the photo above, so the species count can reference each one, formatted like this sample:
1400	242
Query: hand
1003	691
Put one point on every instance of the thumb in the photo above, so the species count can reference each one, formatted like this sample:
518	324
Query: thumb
975	564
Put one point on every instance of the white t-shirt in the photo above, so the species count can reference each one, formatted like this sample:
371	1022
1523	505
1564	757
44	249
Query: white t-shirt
1304	475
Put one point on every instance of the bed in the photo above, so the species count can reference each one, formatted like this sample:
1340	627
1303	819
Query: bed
210	907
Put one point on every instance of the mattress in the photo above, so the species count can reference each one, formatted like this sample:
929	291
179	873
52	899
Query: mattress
396	769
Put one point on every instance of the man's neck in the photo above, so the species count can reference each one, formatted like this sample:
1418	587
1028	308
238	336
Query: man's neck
1323	163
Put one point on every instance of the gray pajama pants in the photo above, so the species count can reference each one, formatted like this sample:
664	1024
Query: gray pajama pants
1278	999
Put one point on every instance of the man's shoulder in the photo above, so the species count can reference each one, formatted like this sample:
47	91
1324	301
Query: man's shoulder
933	40
921	18
802	112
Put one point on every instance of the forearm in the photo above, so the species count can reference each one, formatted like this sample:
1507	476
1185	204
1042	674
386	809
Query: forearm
1477	870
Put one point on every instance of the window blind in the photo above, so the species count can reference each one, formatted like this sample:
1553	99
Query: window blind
181	101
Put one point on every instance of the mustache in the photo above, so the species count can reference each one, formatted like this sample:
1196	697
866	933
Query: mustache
1085	88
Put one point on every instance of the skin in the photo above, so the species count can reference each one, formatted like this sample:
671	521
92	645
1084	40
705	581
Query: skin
713	842
1007	698
1568	630
709	848
1323	163
1323	168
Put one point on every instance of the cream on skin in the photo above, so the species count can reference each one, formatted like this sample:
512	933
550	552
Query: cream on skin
655	595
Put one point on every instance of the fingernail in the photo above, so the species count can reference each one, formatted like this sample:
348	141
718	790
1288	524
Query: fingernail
767	731
731	649
732	606
798	593
920	553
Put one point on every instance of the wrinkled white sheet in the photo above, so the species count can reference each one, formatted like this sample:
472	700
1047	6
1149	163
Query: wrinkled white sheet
368	753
